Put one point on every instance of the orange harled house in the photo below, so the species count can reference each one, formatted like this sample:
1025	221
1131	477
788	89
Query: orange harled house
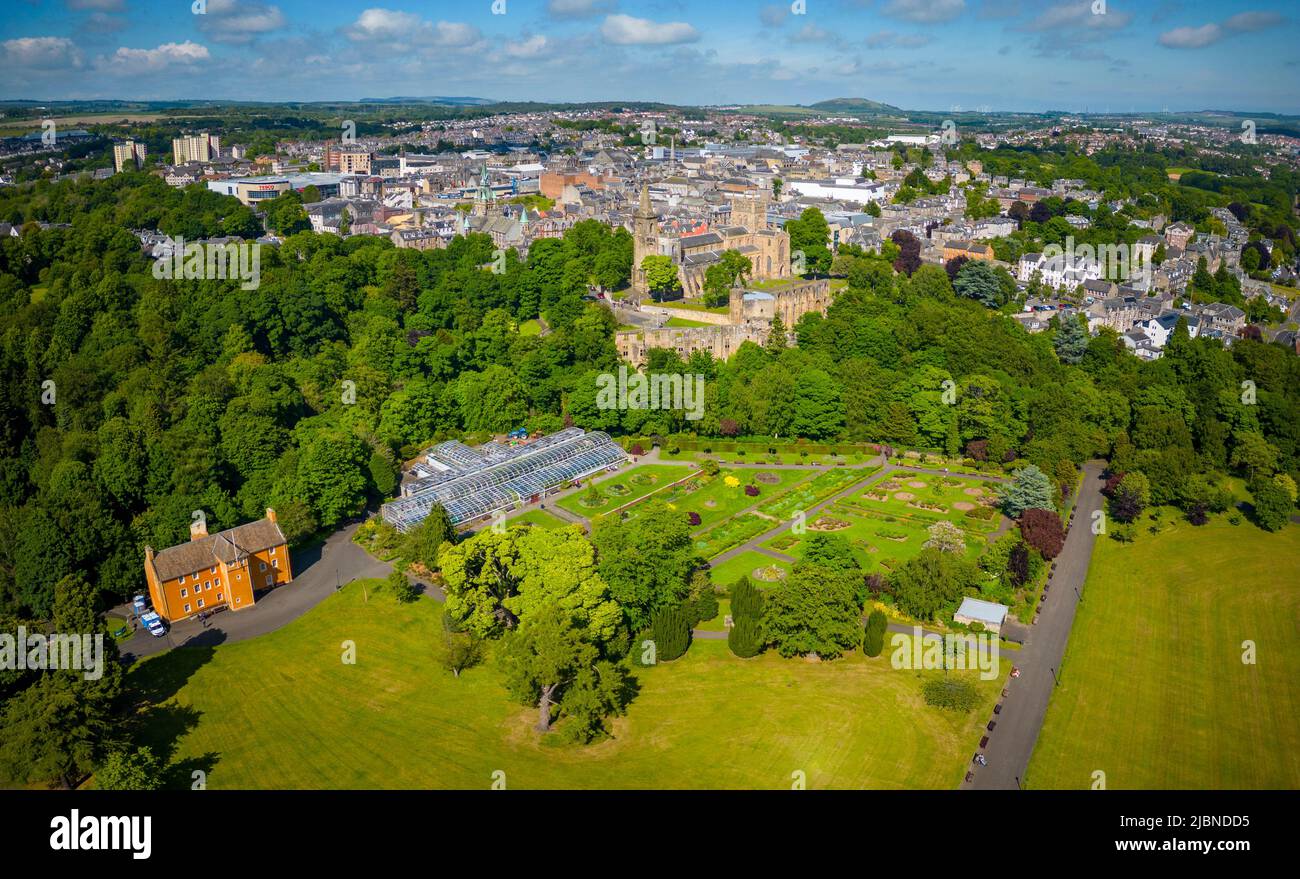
219	570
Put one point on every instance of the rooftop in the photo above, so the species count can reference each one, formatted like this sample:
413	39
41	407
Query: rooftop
984	611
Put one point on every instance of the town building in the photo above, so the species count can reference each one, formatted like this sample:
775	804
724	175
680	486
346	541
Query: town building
217	571
128	156
767	249
195	148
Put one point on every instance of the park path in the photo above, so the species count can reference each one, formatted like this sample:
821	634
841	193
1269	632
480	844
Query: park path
1011	741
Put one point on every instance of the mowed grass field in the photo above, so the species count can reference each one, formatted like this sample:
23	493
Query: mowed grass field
726	573
283	711
1153	688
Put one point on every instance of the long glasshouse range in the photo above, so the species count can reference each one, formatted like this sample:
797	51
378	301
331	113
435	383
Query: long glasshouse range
471	483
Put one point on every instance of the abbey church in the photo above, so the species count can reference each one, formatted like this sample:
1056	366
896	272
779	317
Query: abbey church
768	250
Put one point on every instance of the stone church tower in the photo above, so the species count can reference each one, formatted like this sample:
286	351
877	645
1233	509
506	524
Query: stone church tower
645	240
750	212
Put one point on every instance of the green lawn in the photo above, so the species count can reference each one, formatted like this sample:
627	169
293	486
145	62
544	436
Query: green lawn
715	500
683	322
1153	688
808	494
925	499
282	711
718	623
636	483
693	306
540	518
530	328
879	544
743	565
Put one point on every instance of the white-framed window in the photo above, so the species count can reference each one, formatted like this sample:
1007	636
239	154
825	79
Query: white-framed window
216	583
187	608
207	584
263	564
219	597
270	579
185	593
214	570
275	563
239	576
182	579
273	549
238	600
200	602
207	587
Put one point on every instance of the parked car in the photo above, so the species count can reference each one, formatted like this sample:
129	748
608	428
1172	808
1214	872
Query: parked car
155	624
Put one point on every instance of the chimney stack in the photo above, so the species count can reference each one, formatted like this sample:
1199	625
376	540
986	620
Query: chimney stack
198	529
270	514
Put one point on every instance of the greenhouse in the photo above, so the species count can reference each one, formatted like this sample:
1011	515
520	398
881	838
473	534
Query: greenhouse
471	483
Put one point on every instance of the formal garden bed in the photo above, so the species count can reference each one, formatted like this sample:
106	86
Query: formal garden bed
622	488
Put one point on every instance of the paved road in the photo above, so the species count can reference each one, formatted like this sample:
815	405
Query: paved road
317	572
1012	742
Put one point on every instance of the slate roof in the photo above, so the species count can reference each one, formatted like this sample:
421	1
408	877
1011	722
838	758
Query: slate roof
226	546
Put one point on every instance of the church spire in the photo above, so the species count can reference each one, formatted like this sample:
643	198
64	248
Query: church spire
485	199
645	198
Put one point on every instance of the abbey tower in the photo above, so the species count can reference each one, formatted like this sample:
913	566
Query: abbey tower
645	240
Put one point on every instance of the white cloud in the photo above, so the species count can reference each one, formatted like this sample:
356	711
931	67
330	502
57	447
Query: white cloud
233	21
1078	15
579	8
126	60
624	30
773	14
40	53
889	39
101	5
926	11
811	33
1192	37
103	23
1253	21
533	47
378	25
1208	34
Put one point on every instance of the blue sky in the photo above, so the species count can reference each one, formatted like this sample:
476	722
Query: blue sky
1073	55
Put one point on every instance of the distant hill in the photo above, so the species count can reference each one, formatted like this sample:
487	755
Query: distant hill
457	101
854	105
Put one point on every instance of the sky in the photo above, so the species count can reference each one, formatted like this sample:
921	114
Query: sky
942	55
